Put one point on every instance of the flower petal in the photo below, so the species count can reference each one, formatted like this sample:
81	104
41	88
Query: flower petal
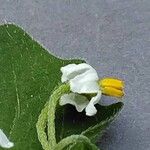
79	101
90	109
86	82
4	141
72	70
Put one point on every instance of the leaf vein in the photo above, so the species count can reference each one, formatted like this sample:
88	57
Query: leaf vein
17	115
17	95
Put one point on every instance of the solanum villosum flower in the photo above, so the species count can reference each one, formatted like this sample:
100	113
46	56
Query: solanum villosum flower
81	88
86	88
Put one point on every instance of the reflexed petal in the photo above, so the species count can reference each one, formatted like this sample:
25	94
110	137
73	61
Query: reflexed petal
79	101
88	87
72	70
90	109
4	141
85	83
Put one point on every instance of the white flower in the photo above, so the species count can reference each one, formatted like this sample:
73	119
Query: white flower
4	141
83	79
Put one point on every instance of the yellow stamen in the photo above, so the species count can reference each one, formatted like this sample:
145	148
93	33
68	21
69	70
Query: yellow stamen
112	87
112	82
110	91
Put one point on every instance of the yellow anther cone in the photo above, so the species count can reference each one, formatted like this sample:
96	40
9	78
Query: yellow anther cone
112	92
112	87
112	82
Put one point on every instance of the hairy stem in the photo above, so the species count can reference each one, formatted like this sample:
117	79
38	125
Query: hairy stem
41	125
54	99
73	139
47	118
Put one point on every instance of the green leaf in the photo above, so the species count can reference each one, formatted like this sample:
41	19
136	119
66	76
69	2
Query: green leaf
69	121
28	74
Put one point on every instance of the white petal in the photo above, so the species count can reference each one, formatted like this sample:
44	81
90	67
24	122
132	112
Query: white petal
4	141
90	109
72	70
79	101
86	82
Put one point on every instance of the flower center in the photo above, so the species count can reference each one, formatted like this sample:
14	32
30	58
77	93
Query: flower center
112	87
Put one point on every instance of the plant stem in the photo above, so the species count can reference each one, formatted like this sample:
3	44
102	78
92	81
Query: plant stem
47	118
73	139
54	99
41	125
